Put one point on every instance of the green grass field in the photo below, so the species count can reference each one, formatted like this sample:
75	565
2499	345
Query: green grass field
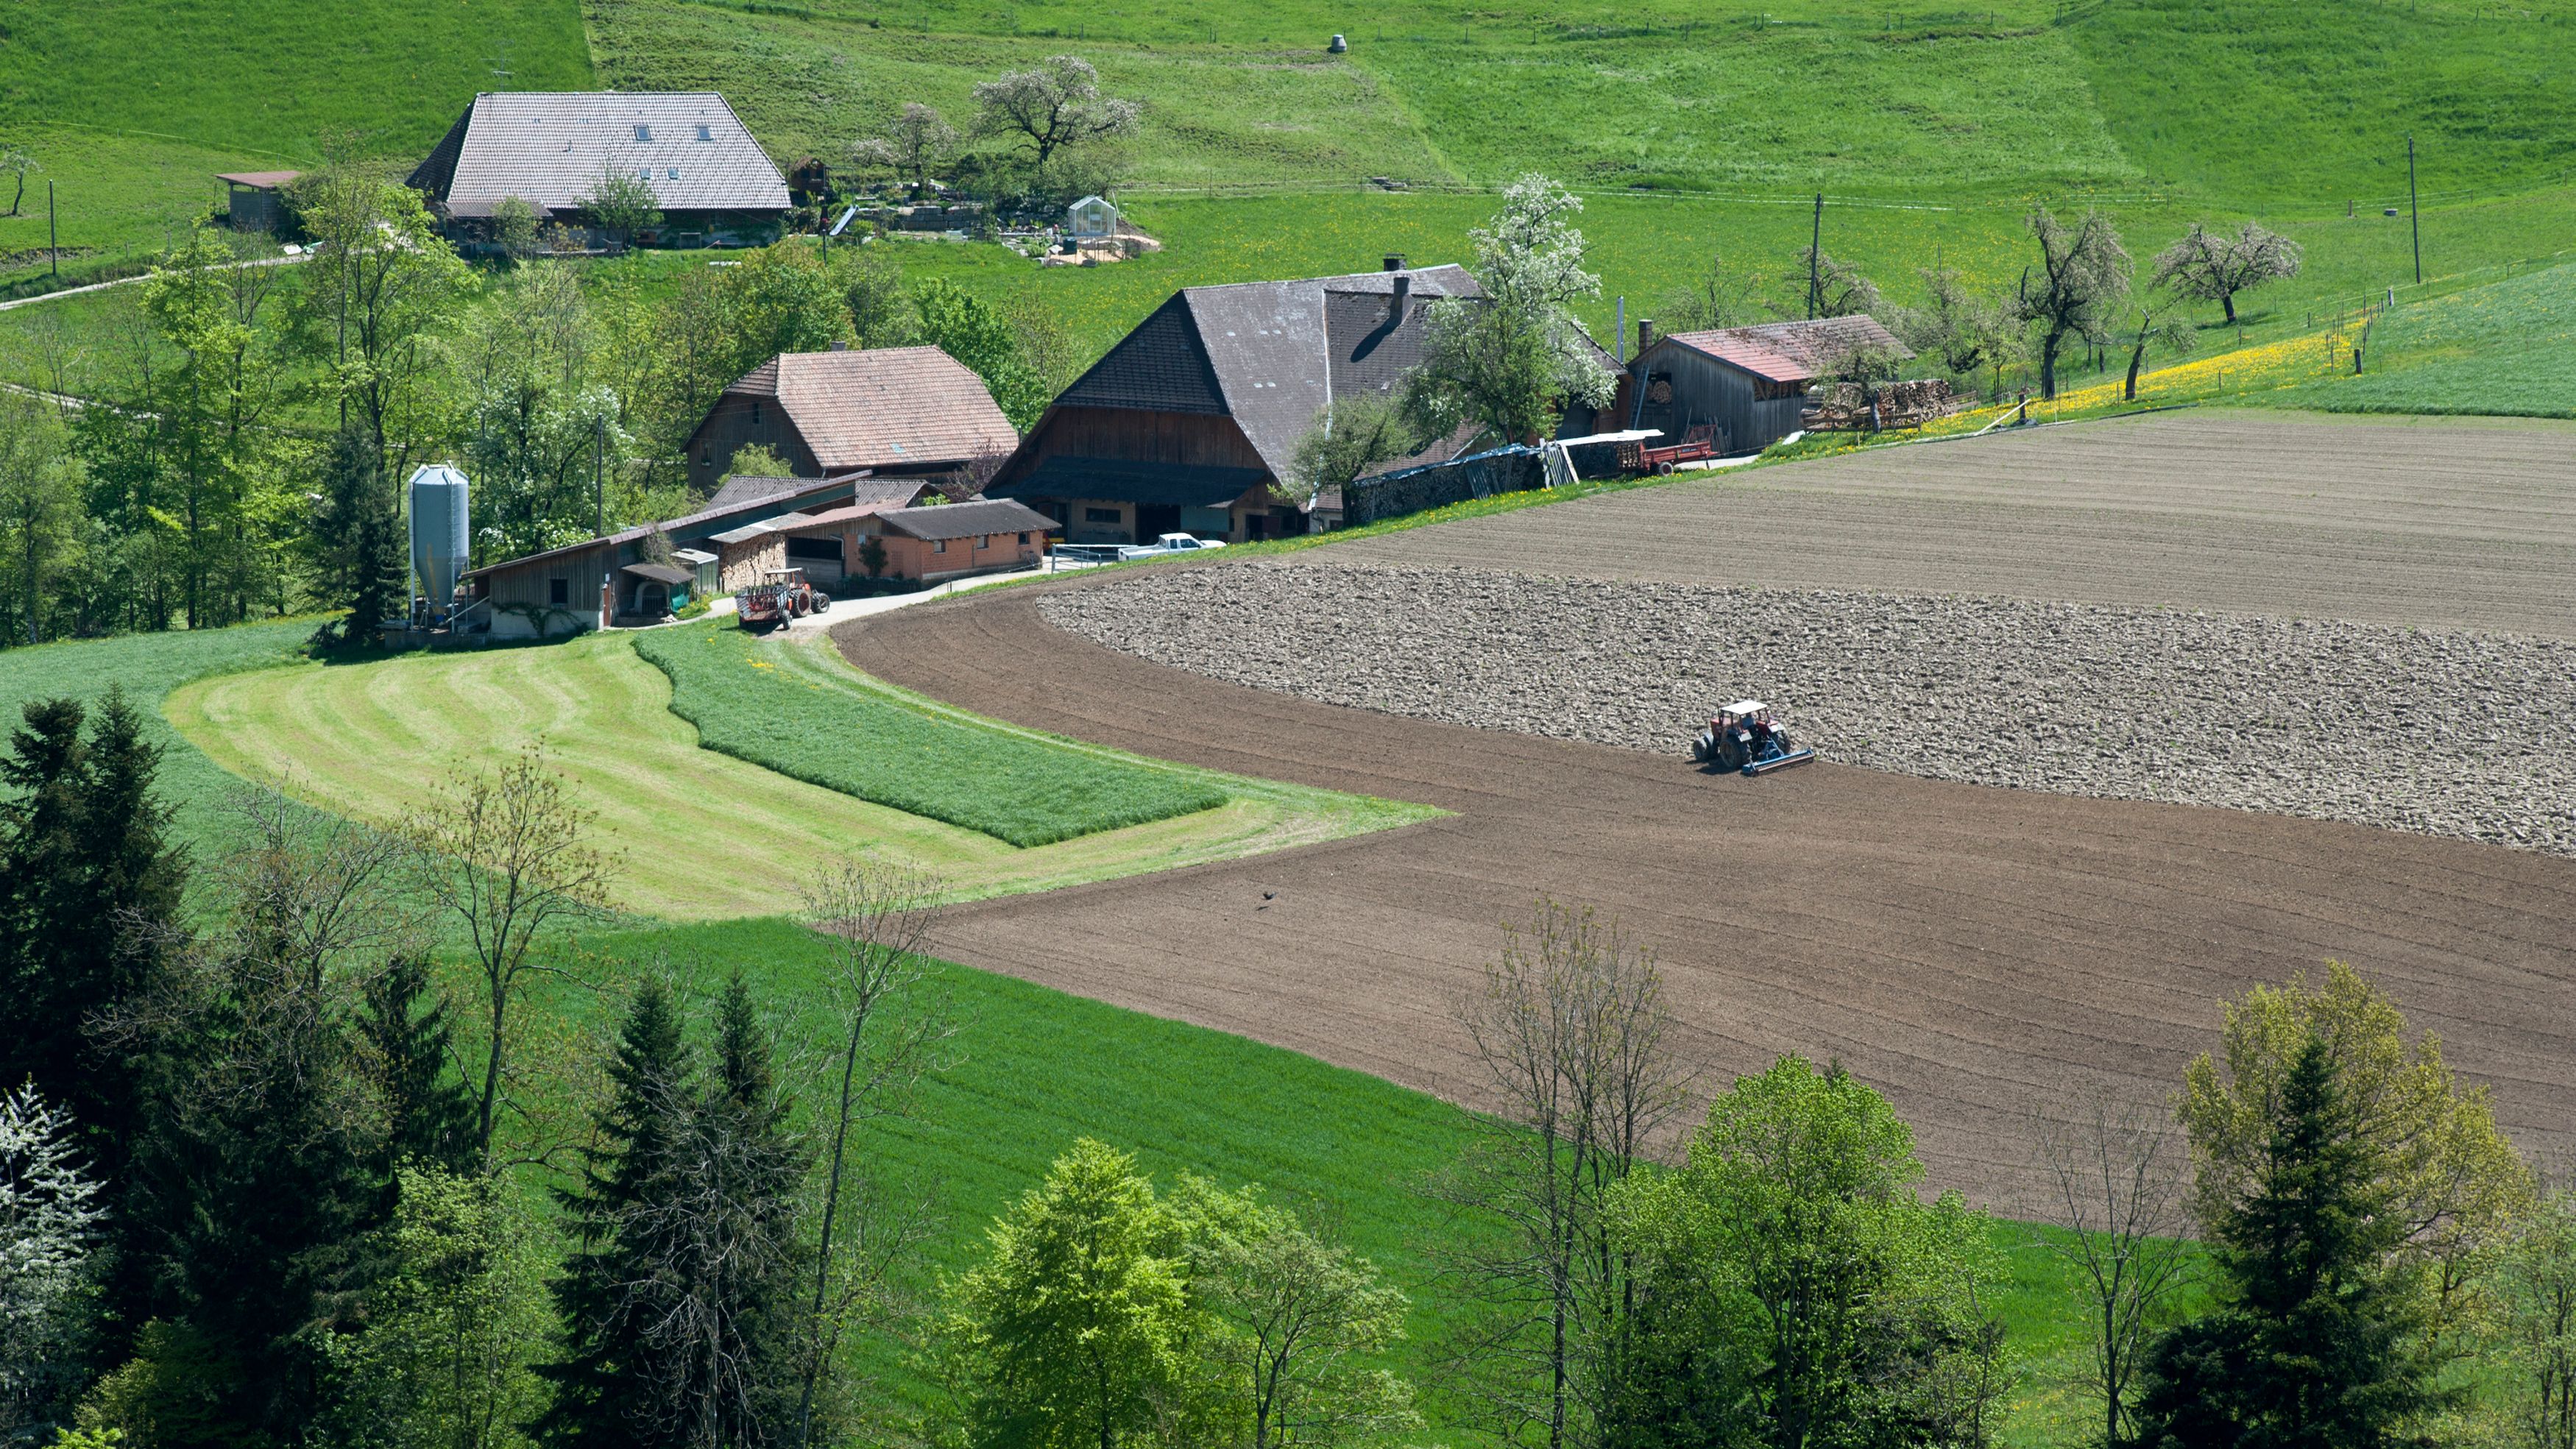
1036	1069
2499	348
786	707
147	667
705	835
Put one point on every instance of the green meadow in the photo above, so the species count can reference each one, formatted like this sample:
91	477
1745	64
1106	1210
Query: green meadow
788	710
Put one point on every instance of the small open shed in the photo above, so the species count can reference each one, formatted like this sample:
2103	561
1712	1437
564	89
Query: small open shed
253	200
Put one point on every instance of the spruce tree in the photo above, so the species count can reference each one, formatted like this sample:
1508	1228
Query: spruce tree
2312	1349
750	1169
90	888
357	527
614	1383
255	1185
429	1113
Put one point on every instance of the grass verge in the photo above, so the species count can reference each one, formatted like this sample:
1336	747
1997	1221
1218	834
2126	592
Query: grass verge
781	706
704	836
1033	1069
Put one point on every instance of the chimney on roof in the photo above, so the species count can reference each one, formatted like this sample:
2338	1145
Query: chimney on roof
840	347
1394	261
1645	334
1403	294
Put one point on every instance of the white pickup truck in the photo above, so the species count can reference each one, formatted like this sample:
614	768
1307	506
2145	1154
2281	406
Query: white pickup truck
1168	543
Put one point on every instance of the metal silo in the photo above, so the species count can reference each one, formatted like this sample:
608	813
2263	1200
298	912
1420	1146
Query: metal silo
439	532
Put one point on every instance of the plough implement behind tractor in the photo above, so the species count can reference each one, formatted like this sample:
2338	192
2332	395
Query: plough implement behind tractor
1745	738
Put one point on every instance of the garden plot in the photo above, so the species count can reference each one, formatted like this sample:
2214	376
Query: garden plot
2443	732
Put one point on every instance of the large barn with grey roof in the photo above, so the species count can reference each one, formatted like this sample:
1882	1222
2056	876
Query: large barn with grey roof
1188	422
710	178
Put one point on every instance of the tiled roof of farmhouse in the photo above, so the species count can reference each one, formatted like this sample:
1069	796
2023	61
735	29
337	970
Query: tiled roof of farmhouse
552	147
884	408
959	520
1270	355
1793	351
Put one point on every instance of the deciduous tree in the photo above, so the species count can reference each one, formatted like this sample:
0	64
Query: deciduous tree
374	305
2213	266
1514	359
1351	438
1573	1040
919	143
2534	1337
1792	1288
2077	290
622	203
506	856
1296	1316
1051	106
1070	1334
875	921
2115	1170
970	330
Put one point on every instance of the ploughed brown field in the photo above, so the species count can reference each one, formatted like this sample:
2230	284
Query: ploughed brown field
2431	522
1975	953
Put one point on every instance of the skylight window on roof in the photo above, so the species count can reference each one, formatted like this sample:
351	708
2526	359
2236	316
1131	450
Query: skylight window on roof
643	132
706	133
644	173
674	172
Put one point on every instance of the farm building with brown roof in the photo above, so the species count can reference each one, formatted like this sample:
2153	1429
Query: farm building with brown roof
1750	382
1189	422
710	178
911	411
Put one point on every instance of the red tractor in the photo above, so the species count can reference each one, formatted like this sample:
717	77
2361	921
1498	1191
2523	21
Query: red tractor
781	597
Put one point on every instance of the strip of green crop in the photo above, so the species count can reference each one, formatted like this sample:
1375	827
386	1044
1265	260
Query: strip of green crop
754	702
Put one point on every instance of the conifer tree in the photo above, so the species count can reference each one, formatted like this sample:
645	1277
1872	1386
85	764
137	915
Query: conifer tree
2312	1347
742	1191
429	1113
89	891
613	1384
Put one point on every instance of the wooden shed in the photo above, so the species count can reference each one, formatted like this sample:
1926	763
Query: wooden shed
1751	382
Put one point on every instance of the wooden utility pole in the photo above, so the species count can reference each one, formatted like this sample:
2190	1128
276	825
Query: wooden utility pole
1815	259
2414	217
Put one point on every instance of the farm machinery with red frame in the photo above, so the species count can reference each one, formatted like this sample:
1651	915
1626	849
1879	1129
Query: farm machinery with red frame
782	596
1747	738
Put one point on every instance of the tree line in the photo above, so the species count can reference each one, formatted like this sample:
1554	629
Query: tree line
2081	294
232	443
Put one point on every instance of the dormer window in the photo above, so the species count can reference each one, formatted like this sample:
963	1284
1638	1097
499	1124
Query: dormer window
706	133
643	133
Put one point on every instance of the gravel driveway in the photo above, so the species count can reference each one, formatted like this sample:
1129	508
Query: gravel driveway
2449	733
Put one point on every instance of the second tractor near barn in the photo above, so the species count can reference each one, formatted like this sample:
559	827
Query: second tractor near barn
782	596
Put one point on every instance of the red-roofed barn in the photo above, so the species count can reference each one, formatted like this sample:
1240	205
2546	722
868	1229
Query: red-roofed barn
909	411
1750	381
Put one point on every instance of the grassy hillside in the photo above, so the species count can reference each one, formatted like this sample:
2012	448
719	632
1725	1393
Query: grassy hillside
1034	1069
269	77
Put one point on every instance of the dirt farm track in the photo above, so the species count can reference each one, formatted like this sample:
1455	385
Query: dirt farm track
1970	951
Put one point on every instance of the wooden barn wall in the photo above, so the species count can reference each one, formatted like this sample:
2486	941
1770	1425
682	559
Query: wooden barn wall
1708	391
1195	439
728	428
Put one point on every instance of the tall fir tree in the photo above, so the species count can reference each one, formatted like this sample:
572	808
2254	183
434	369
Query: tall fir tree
2313	1348
90	887
429	1112
255	1186
612	1383
358	536
752	1257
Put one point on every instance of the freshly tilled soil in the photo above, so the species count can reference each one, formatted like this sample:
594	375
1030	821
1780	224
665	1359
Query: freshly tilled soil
1982	956
2445	732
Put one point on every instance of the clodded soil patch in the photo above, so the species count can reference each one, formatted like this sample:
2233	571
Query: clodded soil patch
2441	731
